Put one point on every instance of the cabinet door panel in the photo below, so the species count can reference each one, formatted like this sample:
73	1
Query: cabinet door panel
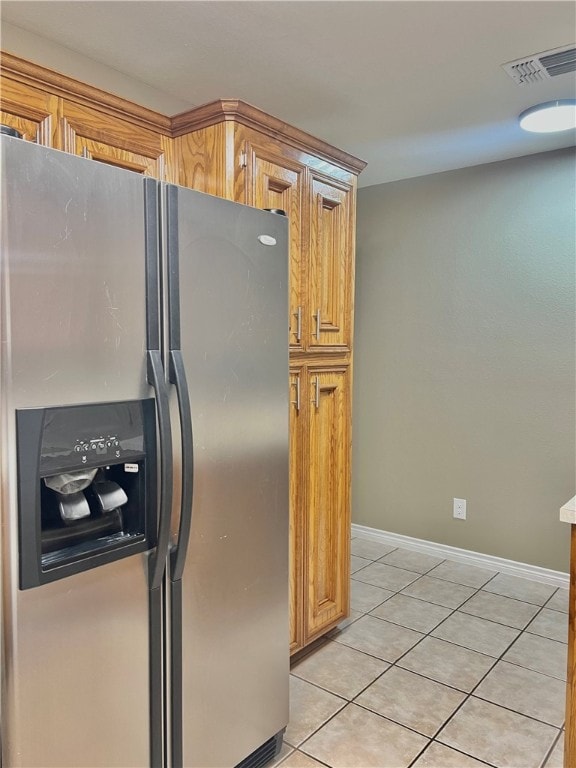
30	111
276	182
328	505
97	136
331	270
297	490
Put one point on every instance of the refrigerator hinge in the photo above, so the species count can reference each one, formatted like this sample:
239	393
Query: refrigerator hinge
243	160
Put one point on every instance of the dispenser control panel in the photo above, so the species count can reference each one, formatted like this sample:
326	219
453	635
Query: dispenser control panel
92	435
104	445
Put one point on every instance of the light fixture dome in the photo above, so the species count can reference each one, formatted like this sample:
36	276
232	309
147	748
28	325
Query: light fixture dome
550	117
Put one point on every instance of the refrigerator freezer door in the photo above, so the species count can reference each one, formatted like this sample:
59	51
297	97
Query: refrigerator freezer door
75	675
233	309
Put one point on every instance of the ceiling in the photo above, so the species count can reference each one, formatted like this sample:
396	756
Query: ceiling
411	87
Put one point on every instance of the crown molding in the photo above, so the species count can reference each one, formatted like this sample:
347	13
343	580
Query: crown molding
87	95
241	112
203	116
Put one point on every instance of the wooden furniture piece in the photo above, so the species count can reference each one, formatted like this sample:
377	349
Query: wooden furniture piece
568	515
231	149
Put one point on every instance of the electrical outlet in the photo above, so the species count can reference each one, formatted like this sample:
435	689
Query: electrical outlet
459	511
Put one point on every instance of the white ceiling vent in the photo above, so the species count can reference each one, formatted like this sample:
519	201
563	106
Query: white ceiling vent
542	66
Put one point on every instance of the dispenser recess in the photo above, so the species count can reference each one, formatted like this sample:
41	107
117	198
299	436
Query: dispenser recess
86	486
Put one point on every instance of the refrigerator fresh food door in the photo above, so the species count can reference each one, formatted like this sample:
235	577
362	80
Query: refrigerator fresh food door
75	661
229	320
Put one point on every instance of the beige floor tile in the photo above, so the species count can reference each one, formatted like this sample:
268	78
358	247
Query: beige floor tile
520	589
477	634
310	707
559	601
498	736
460	573
345	623
284	752
339	669
365	597
410	560
503	610
411	613
358	562
540	654
356	738
440	756
551	624
447	663
369	548
411	700
556	757
525	691
299	760
379	638
440	592
386	576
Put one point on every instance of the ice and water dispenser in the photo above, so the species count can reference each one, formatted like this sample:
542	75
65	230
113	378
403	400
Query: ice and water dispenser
86	486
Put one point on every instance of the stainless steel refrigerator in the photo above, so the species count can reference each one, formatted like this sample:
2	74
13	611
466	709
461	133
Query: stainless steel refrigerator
144	470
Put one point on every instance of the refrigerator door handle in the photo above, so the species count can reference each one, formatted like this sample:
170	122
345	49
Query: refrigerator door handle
157	379
178	378
157	560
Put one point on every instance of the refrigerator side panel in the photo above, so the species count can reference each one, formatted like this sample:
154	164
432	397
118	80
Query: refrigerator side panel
75	651
233	305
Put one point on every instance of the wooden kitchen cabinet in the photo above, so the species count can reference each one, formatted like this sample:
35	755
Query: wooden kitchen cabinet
319	500
92	134
32	112
234	150
297	500
275	182
327	548
331	270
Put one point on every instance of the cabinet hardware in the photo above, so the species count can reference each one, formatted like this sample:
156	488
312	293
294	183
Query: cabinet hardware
318	322
298	316
243	160
85	153
316	400
297	401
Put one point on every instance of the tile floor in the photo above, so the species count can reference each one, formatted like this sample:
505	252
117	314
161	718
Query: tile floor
440	665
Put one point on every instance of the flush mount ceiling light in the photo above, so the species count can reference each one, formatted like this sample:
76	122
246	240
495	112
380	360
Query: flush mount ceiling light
550	117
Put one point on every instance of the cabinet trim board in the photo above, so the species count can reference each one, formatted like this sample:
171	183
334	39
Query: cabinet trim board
240	112
67	87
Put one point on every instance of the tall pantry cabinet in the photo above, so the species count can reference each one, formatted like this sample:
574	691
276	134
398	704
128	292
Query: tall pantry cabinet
231	149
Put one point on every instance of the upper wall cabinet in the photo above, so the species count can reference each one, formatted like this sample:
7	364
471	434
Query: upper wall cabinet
237	151
56	111
331	266
32	112
90	133
273	181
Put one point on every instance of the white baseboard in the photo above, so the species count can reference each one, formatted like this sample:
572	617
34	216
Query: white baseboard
524	570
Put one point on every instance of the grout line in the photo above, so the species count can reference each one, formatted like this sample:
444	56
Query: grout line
467	694
552	748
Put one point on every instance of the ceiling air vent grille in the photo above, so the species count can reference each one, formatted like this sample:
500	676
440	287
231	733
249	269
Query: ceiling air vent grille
542	66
